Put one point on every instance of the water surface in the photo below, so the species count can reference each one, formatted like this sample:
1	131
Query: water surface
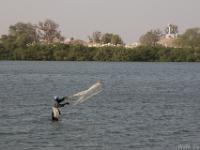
147	106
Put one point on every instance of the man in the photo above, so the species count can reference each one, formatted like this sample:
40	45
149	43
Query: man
55	109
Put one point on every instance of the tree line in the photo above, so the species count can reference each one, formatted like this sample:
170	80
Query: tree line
104	38
43	41
66	52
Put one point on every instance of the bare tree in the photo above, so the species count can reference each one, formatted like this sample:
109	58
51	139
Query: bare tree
96	37
48	31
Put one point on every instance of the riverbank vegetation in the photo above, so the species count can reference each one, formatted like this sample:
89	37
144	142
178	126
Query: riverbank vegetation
63	52
44	41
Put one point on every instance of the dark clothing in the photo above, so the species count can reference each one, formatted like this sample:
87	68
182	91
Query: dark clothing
59	100
57	105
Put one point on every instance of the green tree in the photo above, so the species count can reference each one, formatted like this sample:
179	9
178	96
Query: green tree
20	35
116	39
151	38
8	42
98	37
190	39
106	38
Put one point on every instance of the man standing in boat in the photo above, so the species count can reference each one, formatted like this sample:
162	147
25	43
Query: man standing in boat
55	109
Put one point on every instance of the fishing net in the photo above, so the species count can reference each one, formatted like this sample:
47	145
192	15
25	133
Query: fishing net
82	96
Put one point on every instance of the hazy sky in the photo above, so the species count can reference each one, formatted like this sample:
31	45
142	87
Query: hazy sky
79	18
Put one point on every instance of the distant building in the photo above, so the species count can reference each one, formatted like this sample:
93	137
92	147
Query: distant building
133	45
168	40
170	34
104	45
75	42
94	45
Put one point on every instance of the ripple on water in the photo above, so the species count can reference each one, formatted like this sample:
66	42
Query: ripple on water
143	106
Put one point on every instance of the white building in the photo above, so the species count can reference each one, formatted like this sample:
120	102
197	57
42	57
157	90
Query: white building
133	45
170	34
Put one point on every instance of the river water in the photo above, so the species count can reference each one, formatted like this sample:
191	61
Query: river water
145	106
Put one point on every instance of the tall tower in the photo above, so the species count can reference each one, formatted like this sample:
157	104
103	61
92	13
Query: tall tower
170	33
